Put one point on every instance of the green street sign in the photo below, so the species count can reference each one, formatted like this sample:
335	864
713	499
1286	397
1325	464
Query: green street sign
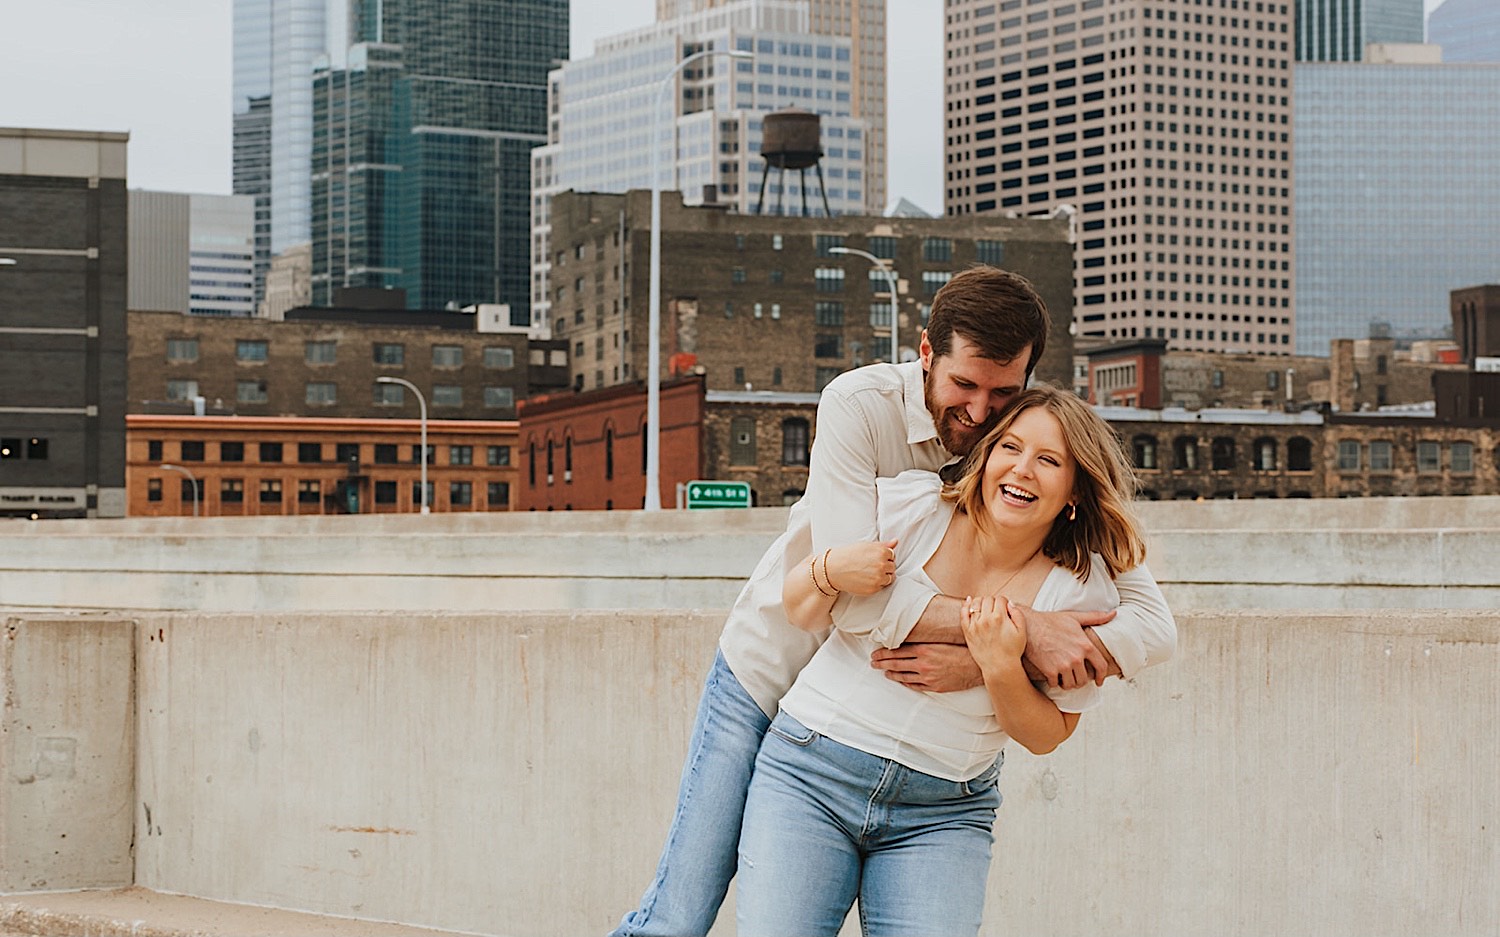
709	494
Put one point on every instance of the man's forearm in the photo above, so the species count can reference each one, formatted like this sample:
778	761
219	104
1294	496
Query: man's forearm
939	623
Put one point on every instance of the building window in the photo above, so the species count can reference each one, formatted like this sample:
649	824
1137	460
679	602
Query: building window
1185	453
460	494
270	491
826	242
1429	457
934	280
742	440
192	450
153	450
737	275
1273	380
829	279
775	242
321	352
270	452
794	438
497	495
346	452
1218	379
447	395
460	455
385	492
416	493
880	315
883	247
231	452
498	358
1461	458
609	452
182	349
188	491
389	395
447	356
232	490
250	392
828	312
822	376
36	449
309	452
386	453
322	394
501	398
153	489
990	252
551	461
937	250
1299	454
1349	455
1223	454
416	454
182	390
1265	453
828	346
251	350
531	464
388	353
1382	454
497	455
309	491
1143	450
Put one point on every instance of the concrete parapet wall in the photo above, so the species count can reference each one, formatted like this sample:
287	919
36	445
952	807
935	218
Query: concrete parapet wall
1353	553
1290	772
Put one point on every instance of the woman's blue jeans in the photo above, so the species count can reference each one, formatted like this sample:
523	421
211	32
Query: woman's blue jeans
698	860
826	824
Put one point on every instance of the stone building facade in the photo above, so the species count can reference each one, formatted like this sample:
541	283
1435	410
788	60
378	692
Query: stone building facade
760	300
328	367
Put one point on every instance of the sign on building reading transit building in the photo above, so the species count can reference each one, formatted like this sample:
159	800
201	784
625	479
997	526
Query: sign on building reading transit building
710	494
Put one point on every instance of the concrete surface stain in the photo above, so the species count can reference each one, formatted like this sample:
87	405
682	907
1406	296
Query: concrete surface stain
391	831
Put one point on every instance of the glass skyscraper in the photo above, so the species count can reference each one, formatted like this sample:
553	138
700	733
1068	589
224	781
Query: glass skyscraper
1468	30
1396	196
421	156
1339	30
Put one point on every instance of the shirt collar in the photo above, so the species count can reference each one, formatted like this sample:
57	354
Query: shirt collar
920	427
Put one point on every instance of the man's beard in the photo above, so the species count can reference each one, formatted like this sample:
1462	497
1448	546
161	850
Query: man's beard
958	438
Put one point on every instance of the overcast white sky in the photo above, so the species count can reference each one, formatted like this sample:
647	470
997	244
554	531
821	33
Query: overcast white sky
161	70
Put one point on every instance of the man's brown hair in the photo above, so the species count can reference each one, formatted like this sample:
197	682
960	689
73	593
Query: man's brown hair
999	311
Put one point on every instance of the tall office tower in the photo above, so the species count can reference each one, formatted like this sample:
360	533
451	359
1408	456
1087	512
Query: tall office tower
600	119
1164	127
1396	196
62	314
1468	30
192	253
863	21
422	157
1339	30
252	123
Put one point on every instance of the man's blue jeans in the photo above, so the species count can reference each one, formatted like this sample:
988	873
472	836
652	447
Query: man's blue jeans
826	824
698	860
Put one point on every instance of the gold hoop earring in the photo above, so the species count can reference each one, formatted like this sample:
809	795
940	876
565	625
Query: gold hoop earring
1072	512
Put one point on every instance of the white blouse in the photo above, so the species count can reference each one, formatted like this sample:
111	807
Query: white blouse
949	735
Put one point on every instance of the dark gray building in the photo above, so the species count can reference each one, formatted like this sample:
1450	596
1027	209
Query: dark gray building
62	323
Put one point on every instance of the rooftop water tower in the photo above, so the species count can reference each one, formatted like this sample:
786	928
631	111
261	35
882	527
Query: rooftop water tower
791	139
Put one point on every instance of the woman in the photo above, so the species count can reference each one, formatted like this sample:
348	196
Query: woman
867	789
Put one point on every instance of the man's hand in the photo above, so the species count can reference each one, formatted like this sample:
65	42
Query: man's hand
1060	650
941	668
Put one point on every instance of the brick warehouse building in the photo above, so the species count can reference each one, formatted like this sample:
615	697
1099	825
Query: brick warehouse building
759	300
280	466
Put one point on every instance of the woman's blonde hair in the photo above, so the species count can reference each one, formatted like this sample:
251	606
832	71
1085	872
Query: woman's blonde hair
1103	486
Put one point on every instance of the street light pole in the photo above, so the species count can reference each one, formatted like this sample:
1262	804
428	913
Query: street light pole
890	279
653	350
421	402
190	477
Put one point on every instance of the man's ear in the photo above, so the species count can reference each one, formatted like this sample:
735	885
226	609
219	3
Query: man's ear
924	350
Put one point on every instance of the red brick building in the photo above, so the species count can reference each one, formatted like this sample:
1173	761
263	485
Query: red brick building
587	451
298	465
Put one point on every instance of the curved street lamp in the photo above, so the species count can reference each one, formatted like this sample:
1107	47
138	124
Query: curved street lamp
890	279
421	402
653	351
190	477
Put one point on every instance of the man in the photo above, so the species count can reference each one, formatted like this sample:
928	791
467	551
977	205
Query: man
986	332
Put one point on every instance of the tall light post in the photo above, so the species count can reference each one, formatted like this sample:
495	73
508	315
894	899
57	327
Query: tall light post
421	402
653	350
190	477
890	279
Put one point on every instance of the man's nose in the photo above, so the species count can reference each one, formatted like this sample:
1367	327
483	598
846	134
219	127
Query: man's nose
977	409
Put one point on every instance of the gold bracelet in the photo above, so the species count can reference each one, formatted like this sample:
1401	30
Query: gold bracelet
812	570
827	578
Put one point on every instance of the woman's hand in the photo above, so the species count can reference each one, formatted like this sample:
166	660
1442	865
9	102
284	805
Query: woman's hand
860	568
993	632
